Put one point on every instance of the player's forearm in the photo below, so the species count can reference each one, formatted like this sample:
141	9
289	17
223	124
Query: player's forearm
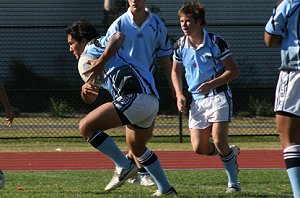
177	82
166	65
114	44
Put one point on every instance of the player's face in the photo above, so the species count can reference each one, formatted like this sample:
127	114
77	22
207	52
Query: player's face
76	48
188	25
136	5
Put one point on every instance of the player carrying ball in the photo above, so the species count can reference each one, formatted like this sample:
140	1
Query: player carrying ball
132	87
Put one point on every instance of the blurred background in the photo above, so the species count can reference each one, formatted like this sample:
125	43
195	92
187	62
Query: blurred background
43	84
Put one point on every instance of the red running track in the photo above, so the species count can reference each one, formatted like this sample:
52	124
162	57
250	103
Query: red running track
248	159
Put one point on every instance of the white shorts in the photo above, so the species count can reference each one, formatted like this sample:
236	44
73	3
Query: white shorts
204	112
287	96
139	109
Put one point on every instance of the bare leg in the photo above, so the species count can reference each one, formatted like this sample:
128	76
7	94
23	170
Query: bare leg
137	139
143	177
288	128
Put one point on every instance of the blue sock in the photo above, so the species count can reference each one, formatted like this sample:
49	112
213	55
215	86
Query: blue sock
151	163
292	160
230	167
105	144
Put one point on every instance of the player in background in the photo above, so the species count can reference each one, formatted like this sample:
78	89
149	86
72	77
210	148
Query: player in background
9	120
132	87
283	30
209	67
146	38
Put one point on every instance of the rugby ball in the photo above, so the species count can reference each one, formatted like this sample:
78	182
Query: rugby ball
83	65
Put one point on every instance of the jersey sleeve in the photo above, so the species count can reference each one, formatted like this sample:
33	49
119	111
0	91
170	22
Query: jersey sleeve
177	57
277	22
223	48
114	27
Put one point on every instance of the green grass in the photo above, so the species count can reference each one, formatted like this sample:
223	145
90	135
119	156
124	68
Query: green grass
89	184
188	183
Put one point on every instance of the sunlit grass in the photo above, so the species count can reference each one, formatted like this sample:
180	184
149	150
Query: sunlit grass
188	183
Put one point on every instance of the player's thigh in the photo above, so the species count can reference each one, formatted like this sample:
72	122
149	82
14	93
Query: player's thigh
220	133
288	128
137	138
102	118
200	139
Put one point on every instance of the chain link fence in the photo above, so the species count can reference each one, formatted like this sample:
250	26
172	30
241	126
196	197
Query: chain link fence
56	113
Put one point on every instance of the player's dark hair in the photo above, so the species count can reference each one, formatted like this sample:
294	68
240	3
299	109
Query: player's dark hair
193	9
82	29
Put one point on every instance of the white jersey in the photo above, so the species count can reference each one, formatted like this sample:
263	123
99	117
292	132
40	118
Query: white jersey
285	22
123	74
144	43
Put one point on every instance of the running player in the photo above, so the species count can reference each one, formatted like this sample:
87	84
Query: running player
283	30
209	67
9	120
146	38
132	87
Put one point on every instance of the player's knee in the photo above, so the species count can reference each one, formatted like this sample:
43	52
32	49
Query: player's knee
200	151
83	128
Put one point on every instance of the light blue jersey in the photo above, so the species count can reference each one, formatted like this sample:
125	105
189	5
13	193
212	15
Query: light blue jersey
123	74
144	43
285	22
202	64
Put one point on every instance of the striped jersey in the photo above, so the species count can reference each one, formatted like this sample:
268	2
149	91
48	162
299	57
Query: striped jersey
285	22
144	43
122	74
201	64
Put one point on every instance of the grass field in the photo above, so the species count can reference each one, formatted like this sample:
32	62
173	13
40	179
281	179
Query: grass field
188	183
88	184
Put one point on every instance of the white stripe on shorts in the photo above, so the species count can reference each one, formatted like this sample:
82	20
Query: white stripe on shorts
287	96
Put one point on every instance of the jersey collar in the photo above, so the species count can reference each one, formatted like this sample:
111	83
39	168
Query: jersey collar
189	45
133	23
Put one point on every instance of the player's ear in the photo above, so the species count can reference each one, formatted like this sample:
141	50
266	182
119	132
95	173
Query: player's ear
84	41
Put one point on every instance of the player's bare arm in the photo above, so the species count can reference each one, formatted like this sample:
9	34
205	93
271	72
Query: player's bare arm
272	40
97	66
176	76
232	72
166	65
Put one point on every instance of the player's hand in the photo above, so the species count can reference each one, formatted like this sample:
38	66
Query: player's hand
204	88
181	103
95	70
10	115
90	89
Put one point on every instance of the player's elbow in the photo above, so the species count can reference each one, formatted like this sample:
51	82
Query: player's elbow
272	40
237	73
119	37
